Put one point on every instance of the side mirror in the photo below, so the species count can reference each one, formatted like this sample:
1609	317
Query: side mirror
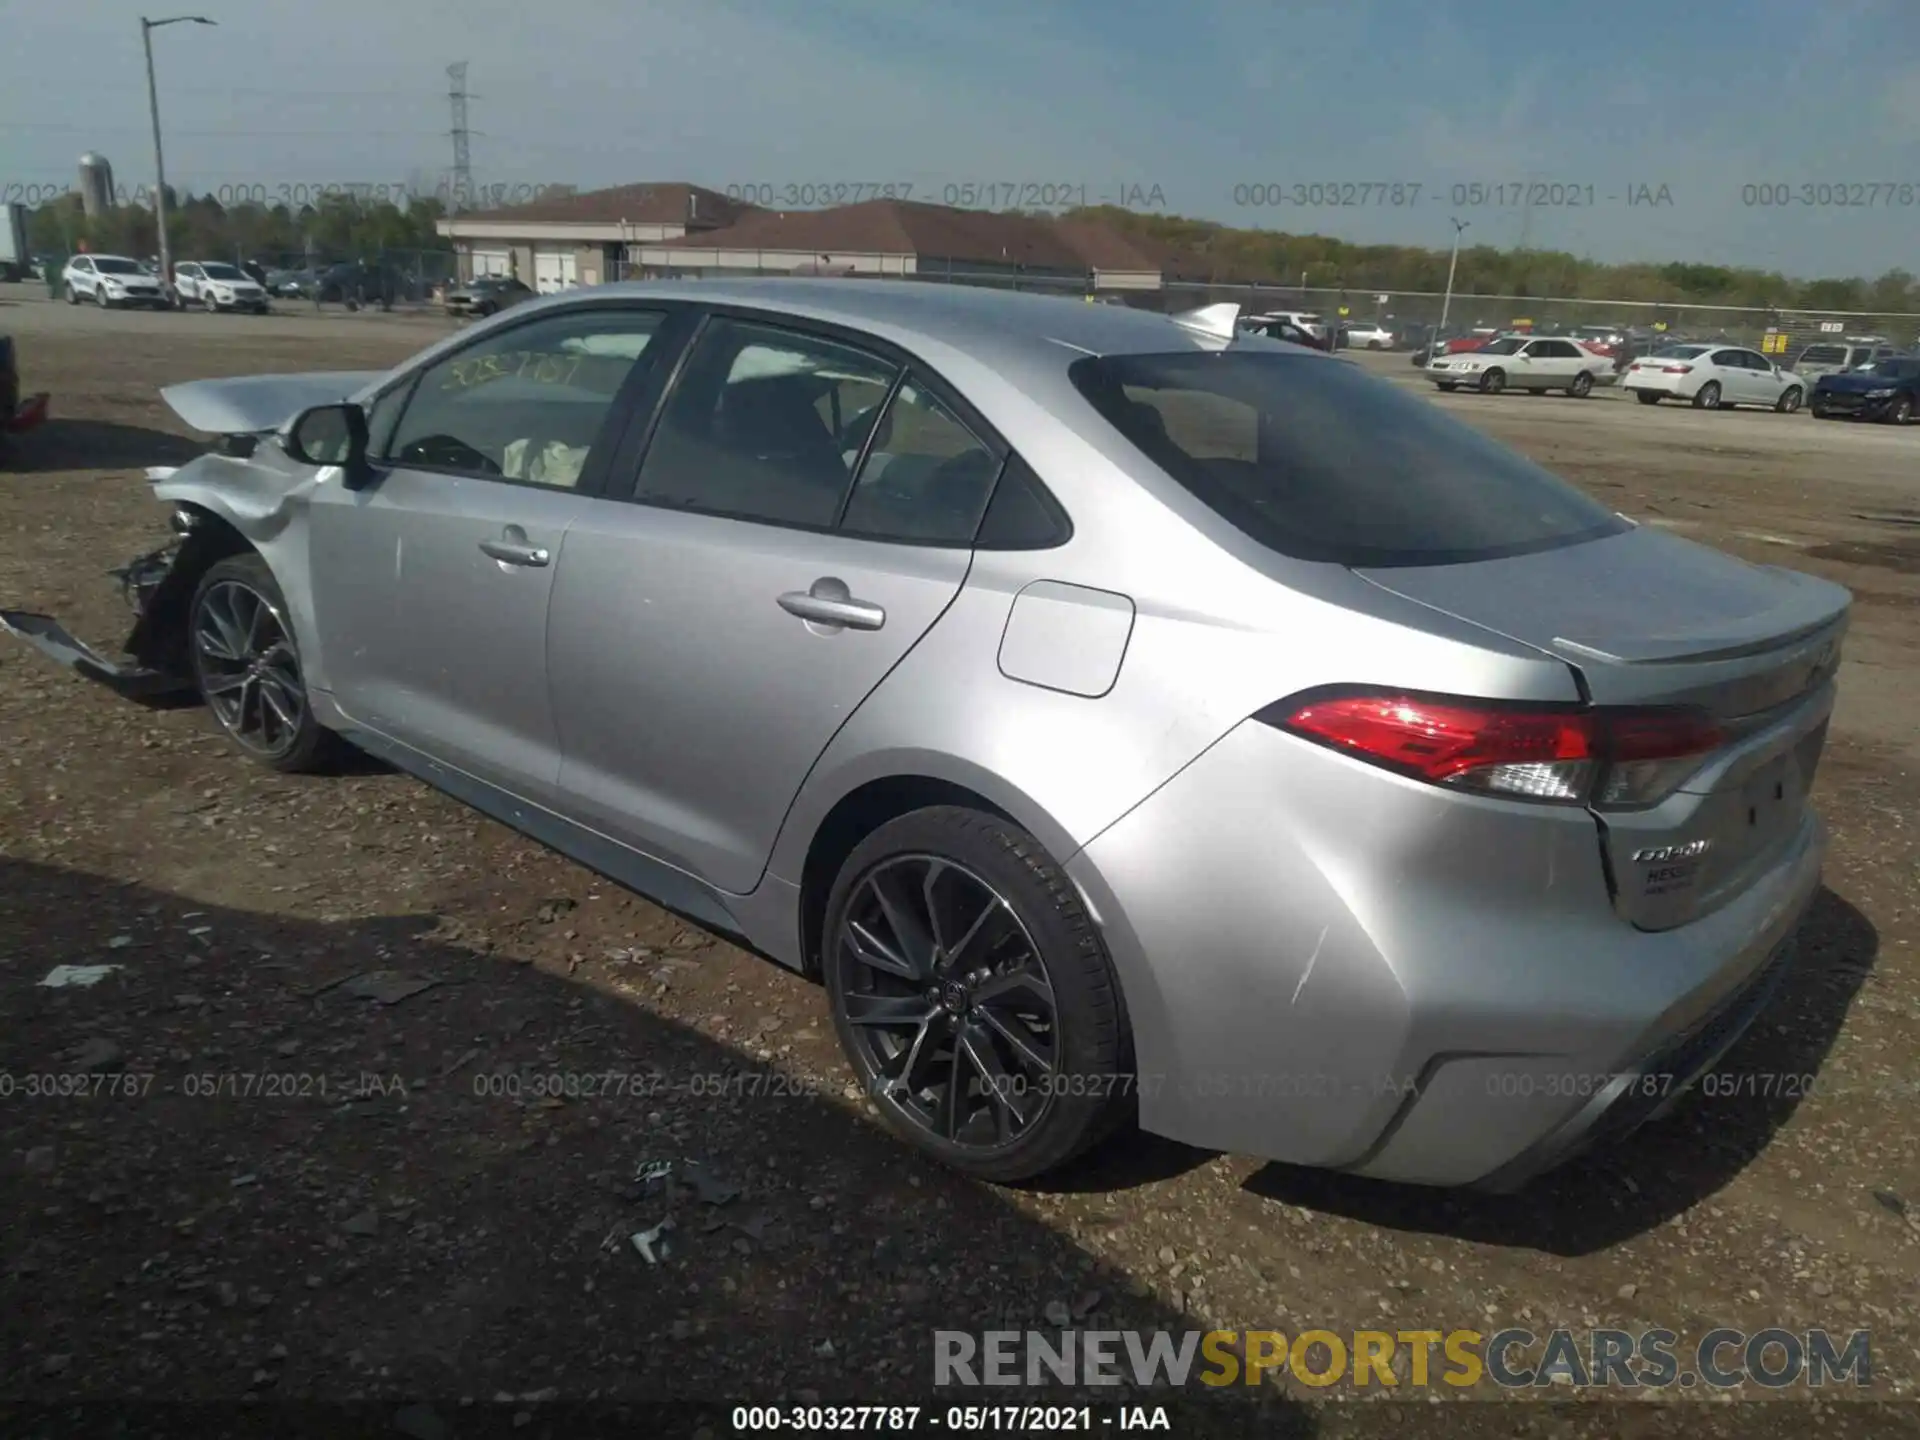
333	435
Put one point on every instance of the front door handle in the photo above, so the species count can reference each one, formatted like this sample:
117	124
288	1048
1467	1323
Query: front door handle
513	548
828	602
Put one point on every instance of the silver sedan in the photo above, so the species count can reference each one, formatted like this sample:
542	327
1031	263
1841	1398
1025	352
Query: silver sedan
1124	718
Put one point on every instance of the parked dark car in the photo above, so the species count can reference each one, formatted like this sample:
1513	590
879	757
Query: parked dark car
1886	390
293	284
16	414
486	295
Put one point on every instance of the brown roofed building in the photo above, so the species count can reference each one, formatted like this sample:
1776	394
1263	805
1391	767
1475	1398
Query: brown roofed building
558	241
875	237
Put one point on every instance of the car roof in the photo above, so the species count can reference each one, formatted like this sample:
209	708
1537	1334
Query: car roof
970	318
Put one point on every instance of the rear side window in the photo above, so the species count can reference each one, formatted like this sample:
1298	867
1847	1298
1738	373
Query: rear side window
1022	515
765	424
926	477
1319	461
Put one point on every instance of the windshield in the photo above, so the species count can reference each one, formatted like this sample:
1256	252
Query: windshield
217	271
108	265
1319	461
1500	347
1892	369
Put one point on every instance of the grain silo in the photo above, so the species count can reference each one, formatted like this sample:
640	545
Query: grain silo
96	184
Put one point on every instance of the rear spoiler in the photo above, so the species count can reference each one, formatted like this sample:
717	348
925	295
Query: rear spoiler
258	404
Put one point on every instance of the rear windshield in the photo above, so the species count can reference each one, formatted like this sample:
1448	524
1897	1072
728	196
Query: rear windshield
1824	355
1317	460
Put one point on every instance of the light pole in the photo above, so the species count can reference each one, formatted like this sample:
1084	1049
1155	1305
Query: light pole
1446	301
147	27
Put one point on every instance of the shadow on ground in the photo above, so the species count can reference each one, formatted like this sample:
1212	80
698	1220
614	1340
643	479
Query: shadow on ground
253	1180
61	444
1636	1184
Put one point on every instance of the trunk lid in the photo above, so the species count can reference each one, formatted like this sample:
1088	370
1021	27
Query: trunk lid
1648	619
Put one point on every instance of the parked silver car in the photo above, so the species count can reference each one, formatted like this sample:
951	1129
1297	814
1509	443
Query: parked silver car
1120	715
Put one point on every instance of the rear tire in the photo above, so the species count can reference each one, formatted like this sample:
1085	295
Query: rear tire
1648	397
73	295
1493	382
247	668
1581	387
1707	397
1005	908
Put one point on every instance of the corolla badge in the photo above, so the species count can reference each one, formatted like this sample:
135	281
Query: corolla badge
1667	854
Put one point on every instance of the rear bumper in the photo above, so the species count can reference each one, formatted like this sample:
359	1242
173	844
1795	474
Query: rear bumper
1329	965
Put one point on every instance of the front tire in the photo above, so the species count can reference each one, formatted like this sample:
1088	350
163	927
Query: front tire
1790	401
100	297
1901	411
973	997
248	670
1707	397
1493	382
1447	385
1582	386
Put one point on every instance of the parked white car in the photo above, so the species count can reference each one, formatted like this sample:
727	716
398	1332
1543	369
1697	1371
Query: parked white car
1714	377
1310	321
111	281
1517	362
218	286
1368	335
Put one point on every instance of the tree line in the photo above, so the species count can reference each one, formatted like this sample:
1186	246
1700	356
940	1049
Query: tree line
338	227
1226	254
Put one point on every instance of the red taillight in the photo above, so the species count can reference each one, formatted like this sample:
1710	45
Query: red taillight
1608	758
1676	369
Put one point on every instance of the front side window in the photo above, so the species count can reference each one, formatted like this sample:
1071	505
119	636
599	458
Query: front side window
527	404
765	424
926	477
1323	462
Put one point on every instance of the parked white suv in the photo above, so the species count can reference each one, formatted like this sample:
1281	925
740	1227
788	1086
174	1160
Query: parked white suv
218	286
110	281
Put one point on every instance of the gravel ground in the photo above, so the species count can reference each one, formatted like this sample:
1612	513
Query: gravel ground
313	1162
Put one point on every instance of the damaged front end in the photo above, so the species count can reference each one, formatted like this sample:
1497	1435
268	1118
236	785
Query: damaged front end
158	587
239	495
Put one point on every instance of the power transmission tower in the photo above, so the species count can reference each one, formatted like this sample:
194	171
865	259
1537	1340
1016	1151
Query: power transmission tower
462	194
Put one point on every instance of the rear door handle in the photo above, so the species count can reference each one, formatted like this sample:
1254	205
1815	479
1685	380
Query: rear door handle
513	548
828	602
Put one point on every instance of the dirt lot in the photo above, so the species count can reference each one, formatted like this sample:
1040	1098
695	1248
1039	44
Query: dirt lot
282	1187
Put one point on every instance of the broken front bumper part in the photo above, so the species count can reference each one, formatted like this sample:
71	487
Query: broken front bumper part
140	580
51	639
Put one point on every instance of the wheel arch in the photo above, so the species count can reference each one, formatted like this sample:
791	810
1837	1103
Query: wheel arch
869	800
207	537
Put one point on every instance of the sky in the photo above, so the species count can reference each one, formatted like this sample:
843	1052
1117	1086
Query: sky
1773	133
